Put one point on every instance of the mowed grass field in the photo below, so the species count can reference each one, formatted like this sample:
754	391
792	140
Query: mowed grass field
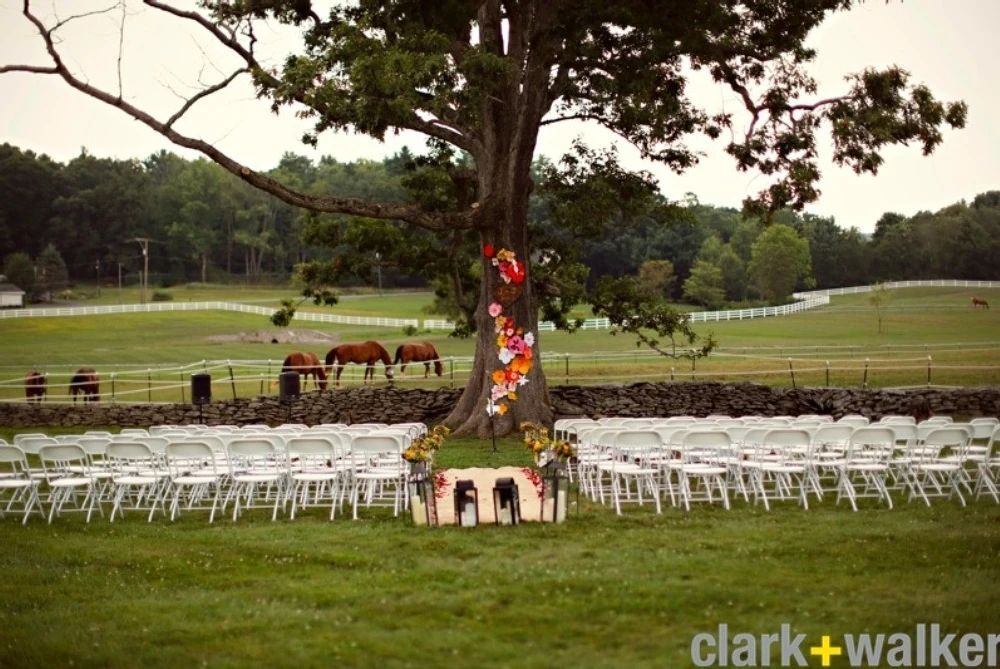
597	591
928	332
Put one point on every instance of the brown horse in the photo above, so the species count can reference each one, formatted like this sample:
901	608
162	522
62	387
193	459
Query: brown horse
305	364
87	382
980	302
423	352
367	353
34	386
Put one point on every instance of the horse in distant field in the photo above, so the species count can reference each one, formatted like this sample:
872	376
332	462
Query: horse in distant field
305	364
34	386
980	302
367	353
423	352
87	382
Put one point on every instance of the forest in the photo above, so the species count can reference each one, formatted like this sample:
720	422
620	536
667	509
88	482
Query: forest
76	223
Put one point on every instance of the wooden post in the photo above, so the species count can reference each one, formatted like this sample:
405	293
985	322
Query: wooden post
183	401
671	373
232	379
791	372
928	370
112	387
149	385
451	372
864	381
827	373
566	358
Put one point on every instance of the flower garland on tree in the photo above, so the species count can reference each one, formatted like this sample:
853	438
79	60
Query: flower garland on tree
514	345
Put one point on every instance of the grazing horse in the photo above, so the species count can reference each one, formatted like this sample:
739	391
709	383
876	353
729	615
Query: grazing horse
34	386
87	382
980	302
423	352
305	364
367	353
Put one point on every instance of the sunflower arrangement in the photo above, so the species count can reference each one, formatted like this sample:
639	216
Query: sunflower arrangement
544	448
422	448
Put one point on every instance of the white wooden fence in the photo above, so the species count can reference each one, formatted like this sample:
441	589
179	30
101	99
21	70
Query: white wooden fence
805	300
934	283
158	307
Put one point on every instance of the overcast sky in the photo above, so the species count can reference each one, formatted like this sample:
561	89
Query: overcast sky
948	44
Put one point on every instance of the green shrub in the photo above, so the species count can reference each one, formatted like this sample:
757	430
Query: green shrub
410	330
162	296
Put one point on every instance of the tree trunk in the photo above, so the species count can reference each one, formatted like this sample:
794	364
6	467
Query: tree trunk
204	268
509	231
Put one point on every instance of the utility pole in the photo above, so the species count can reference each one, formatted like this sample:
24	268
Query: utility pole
144	283
98	268
378	271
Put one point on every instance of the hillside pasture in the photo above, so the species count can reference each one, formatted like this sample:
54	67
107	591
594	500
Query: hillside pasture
152	355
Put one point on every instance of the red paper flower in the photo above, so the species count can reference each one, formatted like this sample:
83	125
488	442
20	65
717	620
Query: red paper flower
514	271
489	251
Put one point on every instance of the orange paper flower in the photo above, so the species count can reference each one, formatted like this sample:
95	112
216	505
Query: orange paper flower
521	364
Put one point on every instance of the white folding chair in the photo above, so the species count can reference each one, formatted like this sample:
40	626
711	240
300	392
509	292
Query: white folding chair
377	465
630	462
865	465
66	469
705	455
137	479
316	473
256	475
989	467
18	489
195	478
986	462
854	419
784	455
934	467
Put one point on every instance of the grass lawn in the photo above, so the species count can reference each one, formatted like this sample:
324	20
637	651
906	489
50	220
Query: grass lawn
597	591
963	345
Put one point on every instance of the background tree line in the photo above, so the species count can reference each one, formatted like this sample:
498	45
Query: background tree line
74	222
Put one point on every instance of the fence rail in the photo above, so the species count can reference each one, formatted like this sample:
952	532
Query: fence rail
159	307
843	366
931	283
805	301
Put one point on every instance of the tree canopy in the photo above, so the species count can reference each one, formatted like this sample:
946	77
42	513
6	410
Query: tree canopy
481	77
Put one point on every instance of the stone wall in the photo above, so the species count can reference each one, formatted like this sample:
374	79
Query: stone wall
395	405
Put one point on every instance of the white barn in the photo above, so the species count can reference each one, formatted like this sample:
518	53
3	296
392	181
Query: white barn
11	296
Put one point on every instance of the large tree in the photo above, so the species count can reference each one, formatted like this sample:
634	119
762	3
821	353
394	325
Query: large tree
484	76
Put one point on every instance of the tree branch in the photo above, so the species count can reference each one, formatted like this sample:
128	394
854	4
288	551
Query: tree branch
229	40
201	95
408	213
35	69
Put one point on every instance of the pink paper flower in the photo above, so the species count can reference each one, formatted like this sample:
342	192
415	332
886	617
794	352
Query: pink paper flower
495	309
516	344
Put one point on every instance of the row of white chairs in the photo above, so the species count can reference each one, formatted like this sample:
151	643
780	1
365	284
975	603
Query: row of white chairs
170	473
710	460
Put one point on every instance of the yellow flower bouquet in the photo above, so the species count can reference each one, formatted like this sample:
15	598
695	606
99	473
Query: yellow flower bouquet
422	448
544	448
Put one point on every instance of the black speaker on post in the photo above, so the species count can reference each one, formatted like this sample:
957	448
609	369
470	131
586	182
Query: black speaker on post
201	388
288	386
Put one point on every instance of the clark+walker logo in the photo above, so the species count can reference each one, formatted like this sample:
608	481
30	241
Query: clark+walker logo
923	646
